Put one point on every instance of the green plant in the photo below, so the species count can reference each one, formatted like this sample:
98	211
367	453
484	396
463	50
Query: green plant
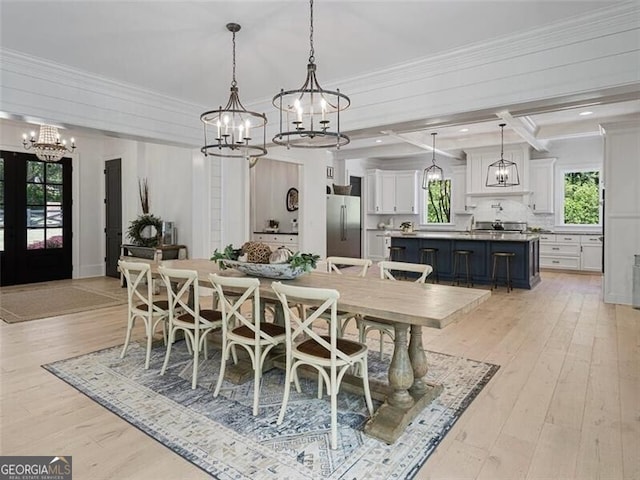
229	253
307	261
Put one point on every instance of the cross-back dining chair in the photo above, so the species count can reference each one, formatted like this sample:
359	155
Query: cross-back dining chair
195	322
330	355
384	327
341	266
250	332
142	305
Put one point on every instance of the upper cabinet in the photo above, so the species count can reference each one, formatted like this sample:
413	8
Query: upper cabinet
459	189
478	161
541	183
390	191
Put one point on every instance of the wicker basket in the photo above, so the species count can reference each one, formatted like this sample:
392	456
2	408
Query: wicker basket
342	189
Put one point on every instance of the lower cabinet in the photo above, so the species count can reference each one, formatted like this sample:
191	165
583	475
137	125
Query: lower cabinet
275	240
571	252
377	245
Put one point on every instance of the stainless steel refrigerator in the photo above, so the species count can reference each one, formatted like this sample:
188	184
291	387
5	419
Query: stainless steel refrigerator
343	226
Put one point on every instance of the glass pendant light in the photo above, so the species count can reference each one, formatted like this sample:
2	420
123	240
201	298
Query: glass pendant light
502	173
432	173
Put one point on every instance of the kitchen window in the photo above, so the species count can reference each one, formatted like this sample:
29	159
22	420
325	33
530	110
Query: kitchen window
580	197
437	202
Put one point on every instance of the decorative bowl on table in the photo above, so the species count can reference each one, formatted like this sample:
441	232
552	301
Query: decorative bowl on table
279	271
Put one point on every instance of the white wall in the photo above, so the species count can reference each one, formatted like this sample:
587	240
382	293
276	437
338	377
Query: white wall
622	208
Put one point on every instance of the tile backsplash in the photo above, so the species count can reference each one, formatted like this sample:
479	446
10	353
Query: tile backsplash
512	211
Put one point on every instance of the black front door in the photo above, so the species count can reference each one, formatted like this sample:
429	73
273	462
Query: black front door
35	219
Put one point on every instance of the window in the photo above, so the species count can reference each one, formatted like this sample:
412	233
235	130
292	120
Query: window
581	197
437	202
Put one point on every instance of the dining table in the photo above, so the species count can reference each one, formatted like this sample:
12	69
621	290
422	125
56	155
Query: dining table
408	305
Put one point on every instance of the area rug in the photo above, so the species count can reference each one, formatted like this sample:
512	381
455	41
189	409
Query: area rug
222	437
20	305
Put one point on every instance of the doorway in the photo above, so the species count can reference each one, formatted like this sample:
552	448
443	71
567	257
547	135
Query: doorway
113	215
35	219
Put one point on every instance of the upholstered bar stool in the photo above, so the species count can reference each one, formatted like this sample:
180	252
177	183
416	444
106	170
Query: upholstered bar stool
457	274
507	256
430	257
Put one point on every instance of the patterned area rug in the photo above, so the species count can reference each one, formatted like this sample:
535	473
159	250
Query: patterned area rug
34	302
222	437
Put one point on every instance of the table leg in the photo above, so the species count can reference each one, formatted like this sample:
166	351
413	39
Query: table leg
400	370
418	361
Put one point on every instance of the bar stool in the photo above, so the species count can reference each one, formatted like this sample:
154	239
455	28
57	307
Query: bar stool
430	257
494	277
465	254
396	253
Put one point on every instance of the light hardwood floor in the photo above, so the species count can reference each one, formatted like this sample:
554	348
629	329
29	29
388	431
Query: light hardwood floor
565	403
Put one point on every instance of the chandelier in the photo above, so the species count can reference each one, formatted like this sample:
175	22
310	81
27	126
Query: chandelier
232	128
433	173
306	113
48	147
502	173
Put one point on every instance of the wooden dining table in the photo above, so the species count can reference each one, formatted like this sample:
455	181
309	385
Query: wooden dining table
410	306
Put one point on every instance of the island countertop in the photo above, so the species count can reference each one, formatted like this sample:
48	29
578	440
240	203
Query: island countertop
481	236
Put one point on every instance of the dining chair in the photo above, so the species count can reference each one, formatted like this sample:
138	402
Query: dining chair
141	304
340	266
330	355
250	332
195	322
384	327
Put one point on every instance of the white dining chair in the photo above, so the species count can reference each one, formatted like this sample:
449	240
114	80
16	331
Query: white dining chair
384	327
330	355
250	332
195	322
141	304
341	266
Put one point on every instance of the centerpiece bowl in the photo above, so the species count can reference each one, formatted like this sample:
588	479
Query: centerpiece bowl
279	271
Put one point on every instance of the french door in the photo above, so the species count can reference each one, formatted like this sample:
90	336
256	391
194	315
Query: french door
35	219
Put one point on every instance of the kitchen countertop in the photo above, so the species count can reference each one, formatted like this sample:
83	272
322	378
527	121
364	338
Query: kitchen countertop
492	236
276	233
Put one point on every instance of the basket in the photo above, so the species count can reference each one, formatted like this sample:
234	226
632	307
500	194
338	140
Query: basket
342	189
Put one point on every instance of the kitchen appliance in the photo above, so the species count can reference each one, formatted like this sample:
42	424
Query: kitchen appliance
343	226
502	227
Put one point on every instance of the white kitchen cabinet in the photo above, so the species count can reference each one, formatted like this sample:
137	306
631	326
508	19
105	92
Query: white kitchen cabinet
391	192
459	190
541	185
275	240
591	253
478	161
571	252
376	245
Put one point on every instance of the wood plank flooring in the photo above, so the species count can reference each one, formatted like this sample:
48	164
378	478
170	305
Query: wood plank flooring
564	405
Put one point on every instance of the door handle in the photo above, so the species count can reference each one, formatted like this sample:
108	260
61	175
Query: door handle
346	221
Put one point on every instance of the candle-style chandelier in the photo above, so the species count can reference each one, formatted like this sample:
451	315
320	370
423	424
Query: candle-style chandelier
306	113
503	173
49	147
231	130
433	172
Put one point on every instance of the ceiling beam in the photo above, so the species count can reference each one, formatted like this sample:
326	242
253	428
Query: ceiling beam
424	146
526	130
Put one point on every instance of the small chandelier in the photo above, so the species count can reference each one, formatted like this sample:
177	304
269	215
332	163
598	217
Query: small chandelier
502	173
432	173
49	147
308	111
232	127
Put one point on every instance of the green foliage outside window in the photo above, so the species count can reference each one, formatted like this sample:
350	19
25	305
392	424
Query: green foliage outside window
582	198
439	202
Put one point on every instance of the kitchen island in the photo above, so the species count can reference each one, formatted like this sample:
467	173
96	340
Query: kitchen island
525	266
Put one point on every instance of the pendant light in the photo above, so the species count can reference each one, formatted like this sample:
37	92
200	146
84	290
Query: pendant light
49	147
432	173
310	115
502	173
235	131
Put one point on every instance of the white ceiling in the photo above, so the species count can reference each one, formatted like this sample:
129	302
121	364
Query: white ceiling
182	48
